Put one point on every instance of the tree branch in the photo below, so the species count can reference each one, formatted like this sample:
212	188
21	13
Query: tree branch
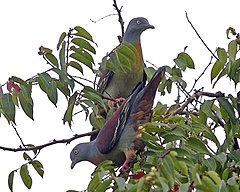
196	80
53	142
120	19
195	96
200	37
95	21
20	138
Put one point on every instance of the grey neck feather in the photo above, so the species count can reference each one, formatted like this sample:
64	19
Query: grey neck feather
131	37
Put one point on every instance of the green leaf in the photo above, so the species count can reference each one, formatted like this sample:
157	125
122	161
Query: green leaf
222	55
93	95
84	44
82	59
26	157
188	60
128	50
7	107
63	87
93	183
221	158
140	185
68	114
210	163
234	155
184	187
148	137
116	63
37	165
19	80
76	65
169	85
163	182
65	81
224	103
81	32
181	63
232	50
61	38
180	166
176	72
223	73
183	60
233	185
197	145
47	50
234	72
171	137
120	183
62	57
166	169
153	145
26	178
206	108
124	62
149	71
83	53
96	121
10	180
49	86
26	100
217	67
52	59
104	185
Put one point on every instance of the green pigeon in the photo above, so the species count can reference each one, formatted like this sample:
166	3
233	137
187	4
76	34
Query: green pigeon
118	86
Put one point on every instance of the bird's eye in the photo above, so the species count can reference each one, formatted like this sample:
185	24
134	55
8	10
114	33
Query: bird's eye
75	152
138	22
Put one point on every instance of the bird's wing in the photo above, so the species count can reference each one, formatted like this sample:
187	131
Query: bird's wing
134	111
111	132
104	80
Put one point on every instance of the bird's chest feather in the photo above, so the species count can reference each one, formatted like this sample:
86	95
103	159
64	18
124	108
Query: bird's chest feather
124	83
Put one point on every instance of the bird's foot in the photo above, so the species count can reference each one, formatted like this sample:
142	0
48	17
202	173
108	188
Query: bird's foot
119	101
116	103
125	167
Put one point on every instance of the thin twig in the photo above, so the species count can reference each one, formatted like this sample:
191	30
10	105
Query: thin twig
72	76
196	95
196	80
152	64
109	15
39	147
120	19
200	37
74	79
20	138
69	35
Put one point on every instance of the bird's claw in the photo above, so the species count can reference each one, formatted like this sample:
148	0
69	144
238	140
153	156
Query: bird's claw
119	101
125	167
116	103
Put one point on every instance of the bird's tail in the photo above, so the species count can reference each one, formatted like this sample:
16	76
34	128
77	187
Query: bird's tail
148	93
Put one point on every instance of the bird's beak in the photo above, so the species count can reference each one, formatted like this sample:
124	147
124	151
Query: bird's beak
73	164
150	27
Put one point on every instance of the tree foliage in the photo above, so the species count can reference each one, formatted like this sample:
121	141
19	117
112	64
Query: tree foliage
182	151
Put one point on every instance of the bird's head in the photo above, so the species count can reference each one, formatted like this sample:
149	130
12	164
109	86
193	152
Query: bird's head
135	28
79	153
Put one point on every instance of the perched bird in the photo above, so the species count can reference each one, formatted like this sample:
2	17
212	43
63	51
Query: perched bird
119	86
120	137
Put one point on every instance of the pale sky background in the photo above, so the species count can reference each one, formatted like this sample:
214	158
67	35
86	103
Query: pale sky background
26	25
